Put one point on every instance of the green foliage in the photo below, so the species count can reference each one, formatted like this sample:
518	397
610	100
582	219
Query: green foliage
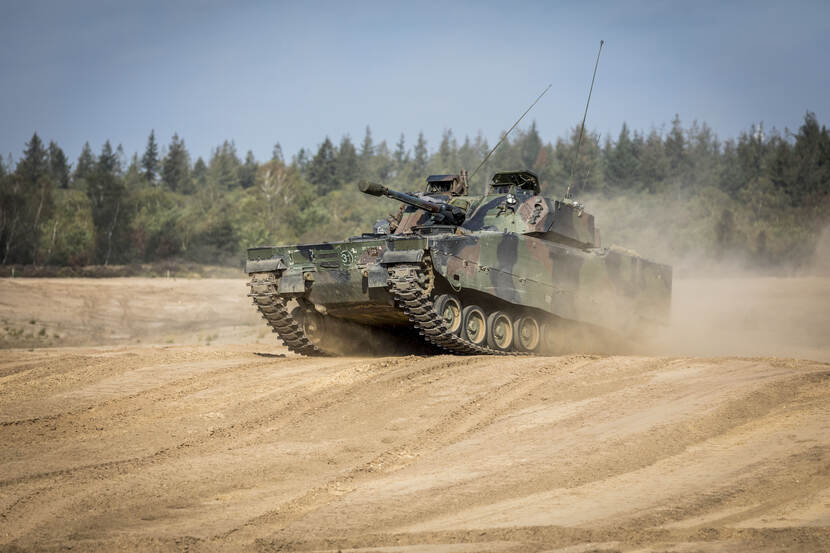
34	185
152	228
58	166
223	168
150	159
84	168
175	168
622	163
68	237
346	168
322	170
761	199
420	156
35	163
247	172
110	203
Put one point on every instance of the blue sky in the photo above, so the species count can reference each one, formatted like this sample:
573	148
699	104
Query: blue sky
295	72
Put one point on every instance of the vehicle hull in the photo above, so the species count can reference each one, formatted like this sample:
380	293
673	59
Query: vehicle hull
608	287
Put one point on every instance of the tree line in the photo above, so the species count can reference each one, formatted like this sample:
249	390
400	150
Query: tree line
763	196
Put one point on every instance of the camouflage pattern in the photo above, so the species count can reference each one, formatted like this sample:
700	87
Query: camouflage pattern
513	249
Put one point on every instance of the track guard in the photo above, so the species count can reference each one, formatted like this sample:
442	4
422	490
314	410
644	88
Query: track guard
265	265
390	257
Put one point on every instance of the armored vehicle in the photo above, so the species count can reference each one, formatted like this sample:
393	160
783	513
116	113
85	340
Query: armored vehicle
506	272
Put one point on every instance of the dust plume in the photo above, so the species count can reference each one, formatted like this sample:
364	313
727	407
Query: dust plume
729	297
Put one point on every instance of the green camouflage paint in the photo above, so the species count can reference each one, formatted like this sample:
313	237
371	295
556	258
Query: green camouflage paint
514	249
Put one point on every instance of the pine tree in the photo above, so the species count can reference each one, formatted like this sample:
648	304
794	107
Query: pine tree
36	185
35	163
401	153
224	165
13	202
811	162
121	163
134	176
106	192
675	147
586	169
199	174
529	147
346	166
150	159
703	155
447	150
730	177
322	169
247	173
421	156
58	166
175	168
300	161
622	164
779	162
382	164
84	167
654	165
466	155
366	148
276	154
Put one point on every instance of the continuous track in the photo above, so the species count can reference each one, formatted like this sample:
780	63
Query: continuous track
410	286
273	308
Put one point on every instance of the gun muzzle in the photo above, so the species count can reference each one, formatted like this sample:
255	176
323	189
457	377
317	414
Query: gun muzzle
371	188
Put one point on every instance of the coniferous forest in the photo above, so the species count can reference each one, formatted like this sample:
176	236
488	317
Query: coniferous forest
676	194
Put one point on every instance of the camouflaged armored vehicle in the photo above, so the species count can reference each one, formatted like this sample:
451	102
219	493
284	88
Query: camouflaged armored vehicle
506	272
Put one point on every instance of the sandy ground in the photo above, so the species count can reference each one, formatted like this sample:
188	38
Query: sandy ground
157	415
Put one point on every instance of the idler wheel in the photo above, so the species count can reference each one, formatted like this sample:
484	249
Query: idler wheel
499	331
474	325
528	334
449	308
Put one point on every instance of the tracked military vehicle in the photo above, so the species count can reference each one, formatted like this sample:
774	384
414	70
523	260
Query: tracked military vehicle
506	272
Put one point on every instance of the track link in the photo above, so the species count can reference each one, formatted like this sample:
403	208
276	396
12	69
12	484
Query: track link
273	309
410	286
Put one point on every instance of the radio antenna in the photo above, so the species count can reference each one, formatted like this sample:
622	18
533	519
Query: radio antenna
504	136
584	116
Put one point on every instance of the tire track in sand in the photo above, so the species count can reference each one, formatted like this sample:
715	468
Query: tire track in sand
474	412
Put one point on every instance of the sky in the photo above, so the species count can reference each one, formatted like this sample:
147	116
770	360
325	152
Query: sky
295	72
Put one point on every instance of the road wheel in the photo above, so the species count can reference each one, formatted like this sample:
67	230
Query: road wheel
528	334
449	308
312	322
474	325
499	331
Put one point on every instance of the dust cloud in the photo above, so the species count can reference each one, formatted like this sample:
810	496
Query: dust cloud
747	316
723	302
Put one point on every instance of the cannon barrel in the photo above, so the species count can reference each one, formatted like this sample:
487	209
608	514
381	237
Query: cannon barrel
375	189
442	212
